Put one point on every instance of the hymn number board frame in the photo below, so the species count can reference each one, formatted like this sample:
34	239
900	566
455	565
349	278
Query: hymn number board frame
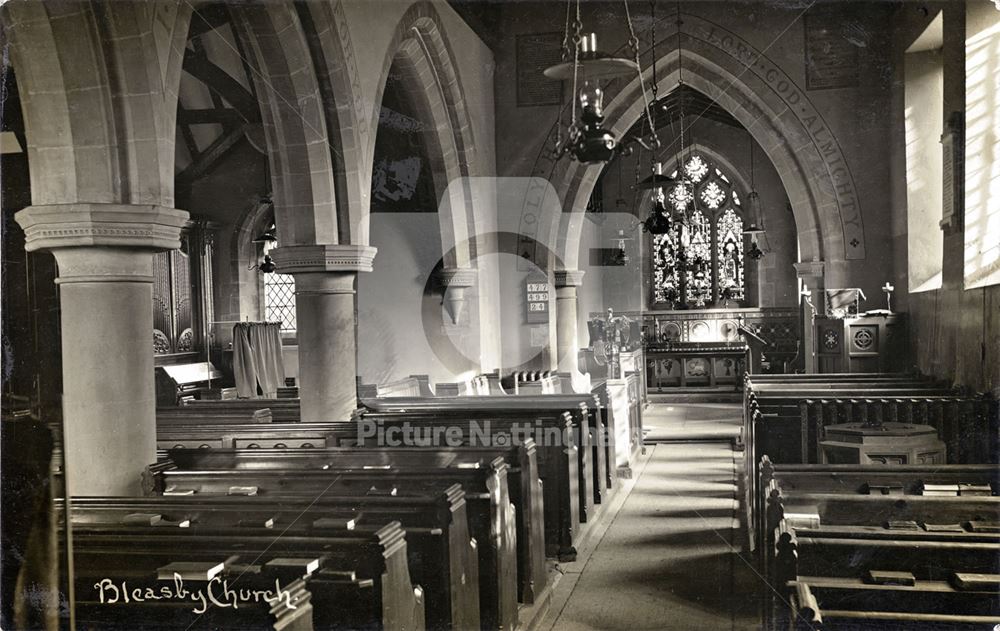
537	291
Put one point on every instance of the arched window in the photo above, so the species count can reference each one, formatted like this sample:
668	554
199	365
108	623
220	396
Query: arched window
279	295
701	260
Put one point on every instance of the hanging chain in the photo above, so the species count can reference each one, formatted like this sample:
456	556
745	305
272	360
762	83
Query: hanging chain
577	29
633	42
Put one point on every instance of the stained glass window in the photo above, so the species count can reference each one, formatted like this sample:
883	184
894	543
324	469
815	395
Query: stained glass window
703	262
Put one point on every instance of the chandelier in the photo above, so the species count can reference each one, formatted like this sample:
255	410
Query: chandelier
586	139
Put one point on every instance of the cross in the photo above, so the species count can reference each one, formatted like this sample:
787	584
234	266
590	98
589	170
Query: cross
888	289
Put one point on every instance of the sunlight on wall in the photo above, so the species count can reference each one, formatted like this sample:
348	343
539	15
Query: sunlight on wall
924	114
982	145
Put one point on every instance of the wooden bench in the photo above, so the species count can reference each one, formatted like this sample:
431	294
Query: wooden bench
355	578
558	463
196	435
282	410
601	436
523	483
491	515
442	557
840	521
182	416
847	604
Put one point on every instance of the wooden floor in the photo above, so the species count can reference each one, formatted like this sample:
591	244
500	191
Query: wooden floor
668	556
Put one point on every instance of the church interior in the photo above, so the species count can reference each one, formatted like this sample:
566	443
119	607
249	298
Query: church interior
519	315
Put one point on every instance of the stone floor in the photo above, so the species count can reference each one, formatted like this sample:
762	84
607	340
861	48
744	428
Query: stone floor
668	556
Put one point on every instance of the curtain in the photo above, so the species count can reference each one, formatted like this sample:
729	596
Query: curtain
257	359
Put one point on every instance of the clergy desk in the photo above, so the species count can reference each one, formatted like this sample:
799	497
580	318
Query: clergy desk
867	343
695	364
888	443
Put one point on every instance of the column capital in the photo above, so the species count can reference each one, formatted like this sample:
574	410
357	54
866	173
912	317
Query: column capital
458	276
569	277
809	269
324	257
144	226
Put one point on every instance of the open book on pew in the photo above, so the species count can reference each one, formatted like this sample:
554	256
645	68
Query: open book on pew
348	521
153	519
190	570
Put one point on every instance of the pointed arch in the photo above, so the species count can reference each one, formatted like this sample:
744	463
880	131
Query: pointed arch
420	48
299	148
777	114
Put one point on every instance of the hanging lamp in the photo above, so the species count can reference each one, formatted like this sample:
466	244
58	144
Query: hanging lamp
756	228
586	138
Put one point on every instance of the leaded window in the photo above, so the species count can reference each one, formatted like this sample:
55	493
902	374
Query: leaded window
279	298
701	260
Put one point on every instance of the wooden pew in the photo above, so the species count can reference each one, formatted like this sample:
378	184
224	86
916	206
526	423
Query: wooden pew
602	429
850	493
182	416
408	387
969	426
282	410
523	487
846	604
558	464
839	521
355	578
491	518
248	435
442	557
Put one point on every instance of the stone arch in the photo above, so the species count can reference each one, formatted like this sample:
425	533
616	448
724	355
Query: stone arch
299	149
421	49
352	139
777	114
99	90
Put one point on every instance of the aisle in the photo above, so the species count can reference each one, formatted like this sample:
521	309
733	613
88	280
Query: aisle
668	558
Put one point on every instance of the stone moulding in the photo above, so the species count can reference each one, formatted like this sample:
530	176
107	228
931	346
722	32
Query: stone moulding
294	259
569	277
85	224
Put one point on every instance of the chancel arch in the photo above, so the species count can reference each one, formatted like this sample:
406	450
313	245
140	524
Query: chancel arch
777	114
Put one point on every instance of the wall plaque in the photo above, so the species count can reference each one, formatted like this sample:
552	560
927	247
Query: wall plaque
953	173
535	53
831	53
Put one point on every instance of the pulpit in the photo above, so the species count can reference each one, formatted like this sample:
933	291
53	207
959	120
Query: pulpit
868	343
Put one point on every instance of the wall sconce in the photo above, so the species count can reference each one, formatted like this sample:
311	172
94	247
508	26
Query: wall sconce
269	241
267	266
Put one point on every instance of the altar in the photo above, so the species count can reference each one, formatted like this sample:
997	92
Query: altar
695	364
712	348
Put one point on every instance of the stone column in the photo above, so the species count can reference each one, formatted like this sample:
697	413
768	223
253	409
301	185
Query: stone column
567	337
104	253
325	278
811	273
